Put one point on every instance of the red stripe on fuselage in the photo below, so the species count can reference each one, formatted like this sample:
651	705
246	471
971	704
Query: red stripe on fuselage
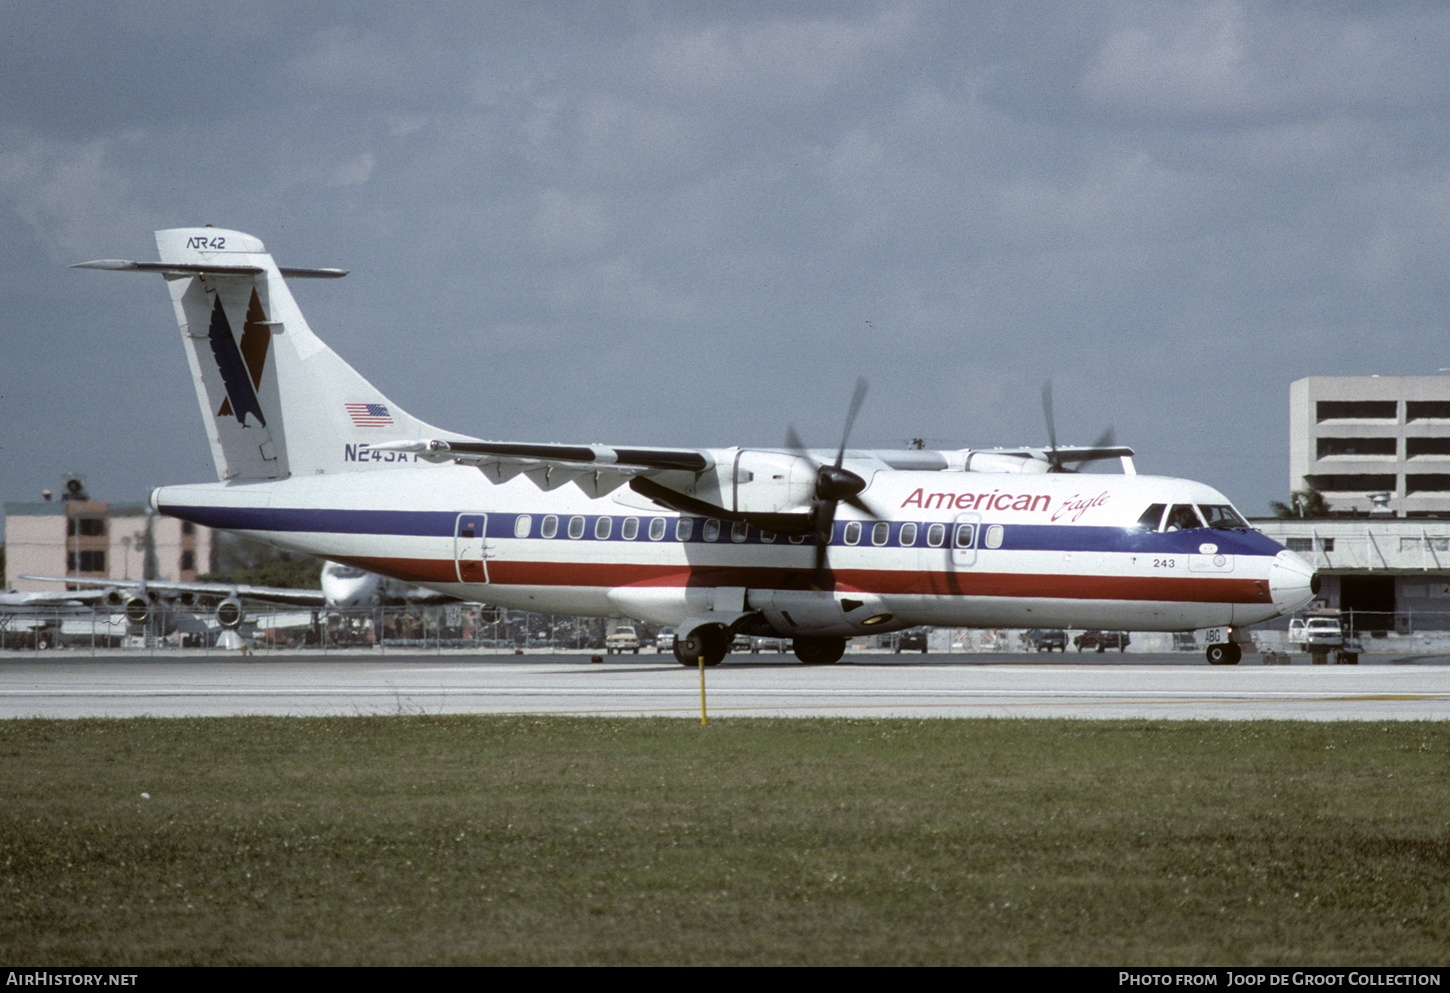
1050	586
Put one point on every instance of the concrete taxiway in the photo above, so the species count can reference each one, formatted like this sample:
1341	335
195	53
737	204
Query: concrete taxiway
62	685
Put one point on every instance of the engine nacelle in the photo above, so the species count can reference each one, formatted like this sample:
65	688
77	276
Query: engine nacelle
756	482
229	613
1001	462
137	608
817	613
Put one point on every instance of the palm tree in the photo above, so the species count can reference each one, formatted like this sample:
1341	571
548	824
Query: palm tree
1302	503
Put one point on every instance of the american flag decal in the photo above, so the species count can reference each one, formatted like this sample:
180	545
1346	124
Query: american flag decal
369	415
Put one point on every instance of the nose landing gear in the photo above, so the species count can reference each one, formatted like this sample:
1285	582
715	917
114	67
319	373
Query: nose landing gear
1225	653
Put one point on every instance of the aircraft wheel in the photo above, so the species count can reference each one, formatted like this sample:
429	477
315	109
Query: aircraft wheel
1224	654
709	641
820	651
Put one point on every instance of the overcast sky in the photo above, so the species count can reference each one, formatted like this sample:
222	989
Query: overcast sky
695	224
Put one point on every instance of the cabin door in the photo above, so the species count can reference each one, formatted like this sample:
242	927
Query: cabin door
470	548
963	540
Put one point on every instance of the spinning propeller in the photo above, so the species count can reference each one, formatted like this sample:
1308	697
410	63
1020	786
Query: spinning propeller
834	485
1106	440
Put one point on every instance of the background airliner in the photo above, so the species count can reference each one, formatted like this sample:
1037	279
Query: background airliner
816	546
342	586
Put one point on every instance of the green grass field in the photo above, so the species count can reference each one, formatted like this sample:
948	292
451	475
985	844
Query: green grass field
486	840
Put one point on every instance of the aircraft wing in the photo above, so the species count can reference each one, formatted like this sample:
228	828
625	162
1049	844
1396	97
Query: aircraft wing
101	587
1068	453
20	602
635	461
419	596
590	457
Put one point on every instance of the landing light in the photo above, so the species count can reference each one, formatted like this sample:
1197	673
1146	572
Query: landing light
876	619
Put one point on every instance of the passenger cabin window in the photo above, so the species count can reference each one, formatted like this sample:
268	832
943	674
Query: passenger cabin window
550	527
630	531
936	535
684	527
1182	518
576	527
1152	519
522	524
993	538
908	534
603	527
880	533
656	529
712	530
767	537
738	531
853	532
965	536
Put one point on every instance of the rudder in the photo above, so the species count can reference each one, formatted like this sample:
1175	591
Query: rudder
276	400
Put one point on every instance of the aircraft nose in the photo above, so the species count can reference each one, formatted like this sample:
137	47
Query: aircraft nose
1292	582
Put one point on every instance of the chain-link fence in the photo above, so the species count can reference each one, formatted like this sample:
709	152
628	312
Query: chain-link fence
485	630
466	627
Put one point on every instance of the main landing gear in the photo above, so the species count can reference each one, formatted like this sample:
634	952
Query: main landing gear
1227	653
710	642
820	651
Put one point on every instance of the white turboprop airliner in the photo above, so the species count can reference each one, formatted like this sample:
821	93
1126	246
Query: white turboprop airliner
813	546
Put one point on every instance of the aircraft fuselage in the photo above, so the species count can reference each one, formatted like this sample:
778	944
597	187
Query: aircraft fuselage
950	549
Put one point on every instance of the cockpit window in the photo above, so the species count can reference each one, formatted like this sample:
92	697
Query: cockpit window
1182	518
1222	516
1152	517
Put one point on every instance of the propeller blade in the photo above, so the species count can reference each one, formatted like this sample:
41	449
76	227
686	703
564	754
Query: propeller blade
1053	461
863	507
825	528
1105	440
833	485
793	442
857	399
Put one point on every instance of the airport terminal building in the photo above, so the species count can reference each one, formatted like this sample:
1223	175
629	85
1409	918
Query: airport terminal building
90	539
1372	443
1378	449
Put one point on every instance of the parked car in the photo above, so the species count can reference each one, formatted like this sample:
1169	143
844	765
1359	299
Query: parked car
622	640
770	643
1101	641
913	640
665	640
1045	640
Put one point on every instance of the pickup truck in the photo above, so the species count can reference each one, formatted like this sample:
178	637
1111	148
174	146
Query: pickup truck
623	639
1317	634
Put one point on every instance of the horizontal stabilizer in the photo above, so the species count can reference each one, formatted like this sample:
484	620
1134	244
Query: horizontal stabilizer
192	269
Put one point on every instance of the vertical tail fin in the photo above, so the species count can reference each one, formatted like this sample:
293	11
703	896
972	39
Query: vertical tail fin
275	399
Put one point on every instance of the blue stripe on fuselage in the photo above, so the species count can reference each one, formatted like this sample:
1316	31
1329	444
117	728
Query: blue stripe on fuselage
440	524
